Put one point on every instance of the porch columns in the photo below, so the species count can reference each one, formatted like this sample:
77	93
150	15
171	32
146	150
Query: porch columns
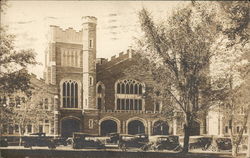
149	128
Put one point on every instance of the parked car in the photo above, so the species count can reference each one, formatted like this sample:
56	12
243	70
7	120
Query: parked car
38	139
60	141
200	142
220	143
83	140
169	142
113	138
133	141
3	142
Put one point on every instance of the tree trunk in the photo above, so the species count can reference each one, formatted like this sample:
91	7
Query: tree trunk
186	137
234	145
187	127
20	137
234	150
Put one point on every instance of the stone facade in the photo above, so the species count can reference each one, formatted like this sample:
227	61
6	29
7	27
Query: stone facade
95	95
71	64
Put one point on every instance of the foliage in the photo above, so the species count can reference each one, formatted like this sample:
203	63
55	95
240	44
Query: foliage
29	111
231	66
182	46
12	64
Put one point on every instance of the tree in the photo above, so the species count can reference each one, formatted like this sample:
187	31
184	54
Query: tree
31	110
13	60
13	65
182	45
231	68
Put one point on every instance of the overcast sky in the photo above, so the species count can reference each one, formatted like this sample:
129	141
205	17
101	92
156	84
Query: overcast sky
117	23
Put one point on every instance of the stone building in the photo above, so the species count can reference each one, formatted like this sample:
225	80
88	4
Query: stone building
95	95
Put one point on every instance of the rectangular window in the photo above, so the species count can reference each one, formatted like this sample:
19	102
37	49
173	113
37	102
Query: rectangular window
91	123
40	128
11	129
16	128
238	129
46	102
131	104
226	129
157	106
118	104
5	129
123	104
29	128
136	104
127	104
99	103
46	129
140	104
91	43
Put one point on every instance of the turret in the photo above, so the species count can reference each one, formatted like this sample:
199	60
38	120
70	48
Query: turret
89	61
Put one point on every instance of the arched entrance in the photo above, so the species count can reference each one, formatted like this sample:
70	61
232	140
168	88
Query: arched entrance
108	126
69	125
195	129
136	127
160	128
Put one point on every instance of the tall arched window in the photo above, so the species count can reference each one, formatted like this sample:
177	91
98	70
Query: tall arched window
70	94
129	95
100	89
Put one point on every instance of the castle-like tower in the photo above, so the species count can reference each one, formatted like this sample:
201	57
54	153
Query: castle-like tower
95	96
89	62
70	64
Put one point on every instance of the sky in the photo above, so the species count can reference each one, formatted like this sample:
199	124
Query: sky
117	24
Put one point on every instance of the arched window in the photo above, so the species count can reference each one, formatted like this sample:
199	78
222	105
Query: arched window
70	94
100	95
118	88
99	89
91	81
133	101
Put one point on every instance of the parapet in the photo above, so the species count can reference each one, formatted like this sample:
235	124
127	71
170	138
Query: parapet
69	35
89	19
117	59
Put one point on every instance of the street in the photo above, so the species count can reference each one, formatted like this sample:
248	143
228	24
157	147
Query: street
65	152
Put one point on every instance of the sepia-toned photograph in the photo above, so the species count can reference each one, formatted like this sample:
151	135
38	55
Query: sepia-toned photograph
124	79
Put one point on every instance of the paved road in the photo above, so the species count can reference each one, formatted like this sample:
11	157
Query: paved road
68	152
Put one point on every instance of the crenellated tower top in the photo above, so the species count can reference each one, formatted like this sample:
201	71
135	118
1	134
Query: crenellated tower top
89	19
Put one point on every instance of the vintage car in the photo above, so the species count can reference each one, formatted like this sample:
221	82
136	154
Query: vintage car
3	142
199	142
133	141
38	139
169	142
220	143
83	140
113	138
60	141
